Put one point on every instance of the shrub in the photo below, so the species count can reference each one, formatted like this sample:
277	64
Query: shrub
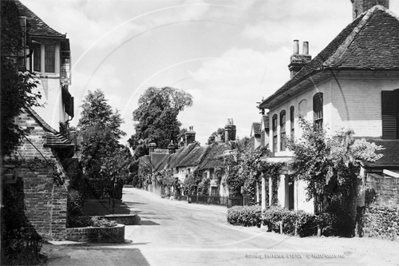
86	221
244	215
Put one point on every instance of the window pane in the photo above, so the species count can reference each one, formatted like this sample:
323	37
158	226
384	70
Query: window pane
50	58
37	54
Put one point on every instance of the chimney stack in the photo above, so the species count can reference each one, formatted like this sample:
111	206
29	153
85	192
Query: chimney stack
171	147
229	130
360	6
190	135
151	147
298	61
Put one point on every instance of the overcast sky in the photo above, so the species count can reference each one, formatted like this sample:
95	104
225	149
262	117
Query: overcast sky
227	54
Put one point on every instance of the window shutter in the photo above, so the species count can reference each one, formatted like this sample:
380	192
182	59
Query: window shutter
389	127
389	103
389	111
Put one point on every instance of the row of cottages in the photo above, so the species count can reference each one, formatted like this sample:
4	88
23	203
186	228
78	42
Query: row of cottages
352	83
180	163
35	167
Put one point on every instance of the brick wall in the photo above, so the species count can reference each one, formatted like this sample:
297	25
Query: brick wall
45	201
97	234
384	190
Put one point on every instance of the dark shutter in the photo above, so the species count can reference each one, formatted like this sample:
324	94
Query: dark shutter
389	112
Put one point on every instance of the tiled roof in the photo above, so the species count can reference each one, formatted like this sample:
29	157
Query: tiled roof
391	154
37	26
194	157
212	158
370	42
53	138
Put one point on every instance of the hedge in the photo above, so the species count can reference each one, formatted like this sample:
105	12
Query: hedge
306	224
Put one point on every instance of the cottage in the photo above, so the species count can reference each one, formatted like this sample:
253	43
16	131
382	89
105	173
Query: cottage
35	166
352	83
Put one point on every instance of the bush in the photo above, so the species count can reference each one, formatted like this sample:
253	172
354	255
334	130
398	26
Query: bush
244	215
86	221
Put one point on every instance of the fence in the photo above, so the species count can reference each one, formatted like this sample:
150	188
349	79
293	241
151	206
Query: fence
217	200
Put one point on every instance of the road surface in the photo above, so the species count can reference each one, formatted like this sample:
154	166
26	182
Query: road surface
178	233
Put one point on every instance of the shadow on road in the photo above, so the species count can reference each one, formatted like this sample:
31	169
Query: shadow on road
103	207
85	255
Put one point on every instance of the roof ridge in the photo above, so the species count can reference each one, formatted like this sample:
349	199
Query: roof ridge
31	16
351	37
40	120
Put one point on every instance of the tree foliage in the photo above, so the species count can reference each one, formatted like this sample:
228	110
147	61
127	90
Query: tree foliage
214	135
156	117
17	87
102	155
330	165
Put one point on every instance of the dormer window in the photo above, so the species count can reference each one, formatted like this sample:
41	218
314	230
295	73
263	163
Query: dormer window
37	54
49	58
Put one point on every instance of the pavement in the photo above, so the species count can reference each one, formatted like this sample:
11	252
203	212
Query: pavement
178	233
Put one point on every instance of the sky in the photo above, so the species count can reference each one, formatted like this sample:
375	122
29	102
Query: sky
228	54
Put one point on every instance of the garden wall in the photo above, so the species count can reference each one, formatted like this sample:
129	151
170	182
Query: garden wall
381	217
97	234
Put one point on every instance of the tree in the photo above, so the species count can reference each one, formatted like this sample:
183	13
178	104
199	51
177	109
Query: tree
330	166
99	128
157	117
212	137
17	84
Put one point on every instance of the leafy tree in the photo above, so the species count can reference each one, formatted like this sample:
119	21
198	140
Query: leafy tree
212	137
17	84
157	117
330	165
99	128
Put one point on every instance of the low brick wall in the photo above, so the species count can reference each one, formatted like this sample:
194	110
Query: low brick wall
97	234
126	219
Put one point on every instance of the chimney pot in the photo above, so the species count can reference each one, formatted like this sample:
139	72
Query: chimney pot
305	48
296	47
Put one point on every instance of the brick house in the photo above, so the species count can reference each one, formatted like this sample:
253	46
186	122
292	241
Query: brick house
352	83
35	166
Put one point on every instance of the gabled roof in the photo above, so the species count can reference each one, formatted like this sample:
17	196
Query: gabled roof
37	26
370	42
213	156
194	157
53	138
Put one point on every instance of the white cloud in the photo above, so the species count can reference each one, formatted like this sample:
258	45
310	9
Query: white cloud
230	86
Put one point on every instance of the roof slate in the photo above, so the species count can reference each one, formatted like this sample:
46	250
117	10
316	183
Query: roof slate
391	154
53	138
370	42
194	157
212	158
37	26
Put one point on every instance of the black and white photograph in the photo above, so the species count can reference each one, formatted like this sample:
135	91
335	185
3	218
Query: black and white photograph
199	132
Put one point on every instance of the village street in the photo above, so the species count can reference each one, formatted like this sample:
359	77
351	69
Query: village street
178	233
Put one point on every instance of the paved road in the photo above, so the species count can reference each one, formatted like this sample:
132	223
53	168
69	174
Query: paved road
178	233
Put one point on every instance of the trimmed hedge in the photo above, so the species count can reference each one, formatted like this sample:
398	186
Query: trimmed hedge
306	224
244	215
